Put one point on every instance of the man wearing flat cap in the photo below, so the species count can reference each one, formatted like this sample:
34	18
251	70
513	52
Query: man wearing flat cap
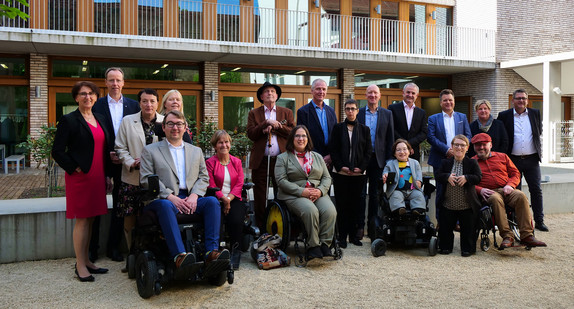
268	127
498	187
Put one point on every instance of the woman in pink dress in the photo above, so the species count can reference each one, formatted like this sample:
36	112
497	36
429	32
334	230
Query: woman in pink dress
81	148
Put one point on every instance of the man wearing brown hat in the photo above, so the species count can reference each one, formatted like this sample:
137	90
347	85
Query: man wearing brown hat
498	187
268	127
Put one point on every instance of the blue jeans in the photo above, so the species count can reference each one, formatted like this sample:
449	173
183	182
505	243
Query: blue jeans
207	207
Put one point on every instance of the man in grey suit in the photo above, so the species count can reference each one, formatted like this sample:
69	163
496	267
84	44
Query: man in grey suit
183	180
381	125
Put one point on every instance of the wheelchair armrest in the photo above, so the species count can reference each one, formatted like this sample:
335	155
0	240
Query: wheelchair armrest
212	191
152	190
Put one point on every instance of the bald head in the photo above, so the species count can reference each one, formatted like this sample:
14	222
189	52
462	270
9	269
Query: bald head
373	96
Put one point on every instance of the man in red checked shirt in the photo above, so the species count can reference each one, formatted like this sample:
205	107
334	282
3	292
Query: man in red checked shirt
498	187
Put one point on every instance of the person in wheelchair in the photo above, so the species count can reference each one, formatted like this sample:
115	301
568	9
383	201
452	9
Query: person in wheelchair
497	187
226	172
304	181
407	182
183	180
458	199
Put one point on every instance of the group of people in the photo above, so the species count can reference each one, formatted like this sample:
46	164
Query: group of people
116	138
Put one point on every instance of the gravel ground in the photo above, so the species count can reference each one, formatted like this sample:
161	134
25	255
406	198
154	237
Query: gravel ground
513	278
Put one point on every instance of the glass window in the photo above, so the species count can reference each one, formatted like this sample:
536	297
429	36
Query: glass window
13	117
143	71
398	81
190	19
228	20
62	15
107	16
150	17
12	66
235	112
17	22
298	23
289	103
275	76
389	26
65	104
417	17
190	106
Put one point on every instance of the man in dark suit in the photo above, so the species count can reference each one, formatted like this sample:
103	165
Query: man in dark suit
410	120
381	126
319	118
183	182
113	107
442	128
268	127
524	128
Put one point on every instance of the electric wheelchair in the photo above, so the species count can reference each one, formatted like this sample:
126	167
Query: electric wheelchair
281	221
149	261
487	223
408	230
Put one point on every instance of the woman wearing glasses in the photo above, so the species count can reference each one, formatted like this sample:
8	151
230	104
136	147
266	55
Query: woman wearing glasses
303	181
458	176
81	148
350	149
135	132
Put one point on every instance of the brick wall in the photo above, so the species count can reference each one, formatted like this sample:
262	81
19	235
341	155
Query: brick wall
210	83
348	89
529	28
38	106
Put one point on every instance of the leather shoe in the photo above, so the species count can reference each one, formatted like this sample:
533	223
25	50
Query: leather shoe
89	278
115	256
418	212
217	255
98	270
401	211
541	226
444	251
343	244
184	259
326	251
507	242
530	241
356	242
314	253
465	254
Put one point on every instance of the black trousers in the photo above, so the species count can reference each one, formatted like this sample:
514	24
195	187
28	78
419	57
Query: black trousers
529	167
234	221
348	203
447	222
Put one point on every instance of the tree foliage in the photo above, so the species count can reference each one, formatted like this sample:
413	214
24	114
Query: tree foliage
10	9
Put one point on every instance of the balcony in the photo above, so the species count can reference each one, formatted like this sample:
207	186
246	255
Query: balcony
212	24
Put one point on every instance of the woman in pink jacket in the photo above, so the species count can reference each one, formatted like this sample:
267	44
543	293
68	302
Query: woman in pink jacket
225	172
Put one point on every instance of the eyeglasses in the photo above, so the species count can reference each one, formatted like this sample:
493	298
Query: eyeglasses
521	99
459	145
300	136
86	94
179	125
350	109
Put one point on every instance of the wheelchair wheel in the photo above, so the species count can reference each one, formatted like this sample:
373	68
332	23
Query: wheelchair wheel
219	279
131	266
278	222
378	247
146	275
433	246
485	244
514	230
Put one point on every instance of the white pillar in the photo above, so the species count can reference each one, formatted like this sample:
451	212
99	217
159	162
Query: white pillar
551	110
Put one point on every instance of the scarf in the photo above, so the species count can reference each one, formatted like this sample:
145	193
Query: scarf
307	164
486	127
353	123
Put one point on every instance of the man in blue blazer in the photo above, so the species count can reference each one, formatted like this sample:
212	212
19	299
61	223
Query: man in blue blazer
442	128
525	149
380	123
113	107
319	118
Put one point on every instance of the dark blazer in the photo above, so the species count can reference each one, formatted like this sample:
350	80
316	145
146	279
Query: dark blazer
384	136
437	136
418	132
471	170
255	126
497	132
101	107
340	146
74	143
507	117
307	116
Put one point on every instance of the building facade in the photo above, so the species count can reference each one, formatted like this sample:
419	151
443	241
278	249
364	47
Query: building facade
218	52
